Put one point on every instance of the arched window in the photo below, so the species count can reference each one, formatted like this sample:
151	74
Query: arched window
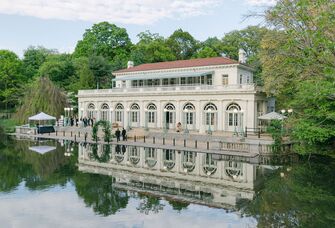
90	110
119	153
188	161
150	157
119	112
233	111
134	155
234	170
152	109
209	165
169	110
134	113
169	158
189	111
104	111
210	111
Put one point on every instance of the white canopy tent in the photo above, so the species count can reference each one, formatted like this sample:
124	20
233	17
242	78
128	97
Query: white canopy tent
42	116
272	116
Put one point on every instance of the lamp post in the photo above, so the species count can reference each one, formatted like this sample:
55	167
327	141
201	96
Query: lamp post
209	111
128	114
65	115
71	111
146	119
186	111
164	121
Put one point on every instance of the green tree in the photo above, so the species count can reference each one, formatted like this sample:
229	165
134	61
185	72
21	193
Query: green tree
182	44
299	68
58	68
248	39
151	48
215	44
101	70
33	58
84	77
11	79
41	96
205	53
104	39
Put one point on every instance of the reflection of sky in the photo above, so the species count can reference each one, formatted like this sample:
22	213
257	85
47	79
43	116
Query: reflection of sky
62	207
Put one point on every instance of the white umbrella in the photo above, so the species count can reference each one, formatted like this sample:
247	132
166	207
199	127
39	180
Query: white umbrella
272	116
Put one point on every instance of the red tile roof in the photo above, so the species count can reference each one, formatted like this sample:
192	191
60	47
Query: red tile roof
180	64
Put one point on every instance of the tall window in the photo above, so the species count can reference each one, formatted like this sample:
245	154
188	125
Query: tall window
225	79
209	79
233	114
189	111
119	112
90	110
210	111
170	113
152	109
134	113
104	111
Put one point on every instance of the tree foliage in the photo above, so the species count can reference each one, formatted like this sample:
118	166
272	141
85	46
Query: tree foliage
42	96
182	44
298	60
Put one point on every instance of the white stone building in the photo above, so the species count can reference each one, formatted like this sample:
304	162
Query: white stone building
204	95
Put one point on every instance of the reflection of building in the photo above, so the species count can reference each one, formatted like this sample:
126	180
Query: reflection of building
211	94
191	176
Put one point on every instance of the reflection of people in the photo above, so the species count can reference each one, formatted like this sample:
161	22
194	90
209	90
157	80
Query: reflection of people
117	149
123	148
124	134
179	128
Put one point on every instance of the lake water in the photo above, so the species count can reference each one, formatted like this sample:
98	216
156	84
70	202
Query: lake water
63	184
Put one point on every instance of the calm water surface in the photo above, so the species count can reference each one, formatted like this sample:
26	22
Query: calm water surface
62	184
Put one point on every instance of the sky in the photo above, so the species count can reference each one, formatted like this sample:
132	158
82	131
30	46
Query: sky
59	24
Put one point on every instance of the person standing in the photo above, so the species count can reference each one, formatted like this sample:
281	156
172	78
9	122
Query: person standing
124	134
117	134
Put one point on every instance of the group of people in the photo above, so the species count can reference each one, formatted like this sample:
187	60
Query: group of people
118	134
87	121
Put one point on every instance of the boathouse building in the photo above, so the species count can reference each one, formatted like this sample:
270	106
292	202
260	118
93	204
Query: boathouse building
200	95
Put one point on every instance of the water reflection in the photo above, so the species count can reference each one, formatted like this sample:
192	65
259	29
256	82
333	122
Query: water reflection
178	175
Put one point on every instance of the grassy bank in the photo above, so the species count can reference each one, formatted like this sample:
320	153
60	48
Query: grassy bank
8	125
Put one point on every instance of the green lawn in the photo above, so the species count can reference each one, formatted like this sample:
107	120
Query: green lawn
8	125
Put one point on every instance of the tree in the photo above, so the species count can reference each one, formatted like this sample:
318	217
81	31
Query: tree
151	48
11	79
298	60
59	68
101	70
248	39
205	53
33	58
182	44
84	77
215	44
41	96
104	39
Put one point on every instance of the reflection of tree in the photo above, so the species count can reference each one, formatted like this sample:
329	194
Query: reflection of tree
39	171
98	192
149	204
178	205
304	197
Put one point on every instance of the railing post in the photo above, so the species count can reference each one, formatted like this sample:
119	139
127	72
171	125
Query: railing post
56	133
184	142
71	133
75	138
246	131
207	145
259	132
134	138
196	144
163	141
63	133
174	141
143	138
153	140
79	134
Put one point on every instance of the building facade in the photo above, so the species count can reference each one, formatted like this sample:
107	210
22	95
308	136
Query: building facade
200	95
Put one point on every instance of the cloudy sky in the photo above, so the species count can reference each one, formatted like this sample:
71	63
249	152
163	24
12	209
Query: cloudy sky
61	23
